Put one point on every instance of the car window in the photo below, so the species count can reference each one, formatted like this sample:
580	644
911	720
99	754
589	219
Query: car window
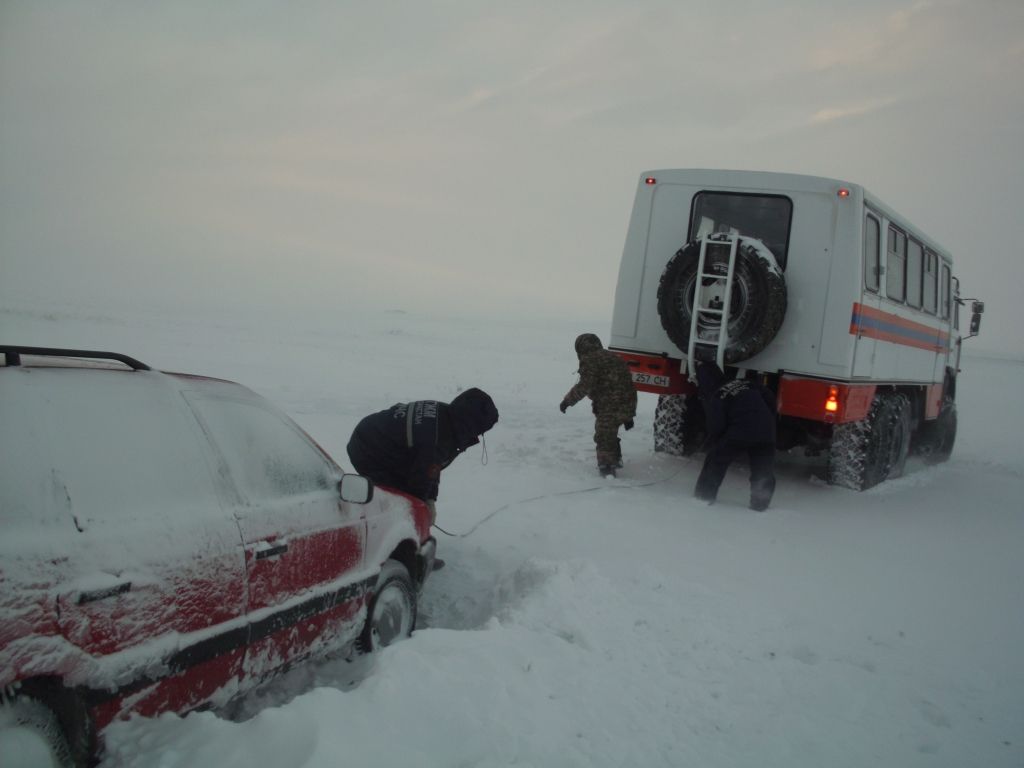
266	454
102	446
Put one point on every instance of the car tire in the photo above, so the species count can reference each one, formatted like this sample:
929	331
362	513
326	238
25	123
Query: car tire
757	305
864	453
31	734
391	614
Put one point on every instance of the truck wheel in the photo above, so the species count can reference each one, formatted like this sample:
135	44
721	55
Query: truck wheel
935	439
391	615
864	453
757	306
669	417
678	425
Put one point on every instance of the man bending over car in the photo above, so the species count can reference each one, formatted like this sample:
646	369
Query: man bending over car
406	446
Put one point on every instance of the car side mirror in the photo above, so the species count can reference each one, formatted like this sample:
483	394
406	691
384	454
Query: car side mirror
355	489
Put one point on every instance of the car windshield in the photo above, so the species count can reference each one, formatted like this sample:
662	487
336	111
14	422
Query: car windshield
765	217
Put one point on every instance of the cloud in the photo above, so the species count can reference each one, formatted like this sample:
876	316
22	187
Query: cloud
831	114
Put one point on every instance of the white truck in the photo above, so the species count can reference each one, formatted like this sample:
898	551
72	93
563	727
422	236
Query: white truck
829	296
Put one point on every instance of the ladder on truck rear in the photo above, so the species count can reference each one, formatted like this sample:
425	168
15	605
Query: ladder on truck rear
711	301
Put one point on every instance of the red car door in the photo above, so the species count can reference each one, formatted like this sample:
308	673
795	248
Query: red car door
303	545
148	573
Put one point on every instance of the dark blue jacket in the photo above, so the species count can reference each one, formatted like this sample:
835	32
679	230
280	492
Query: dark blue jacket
407	445
739	410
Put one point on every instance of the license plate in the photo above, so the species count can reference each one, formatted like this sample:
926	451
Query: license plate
650	379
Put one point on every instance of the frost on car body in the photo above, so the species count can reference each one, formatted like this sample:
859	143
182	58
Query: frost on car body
171	540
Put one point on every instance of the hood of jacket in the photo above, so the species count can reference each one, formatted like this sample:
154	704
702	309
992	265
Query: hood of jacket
587	343
472	413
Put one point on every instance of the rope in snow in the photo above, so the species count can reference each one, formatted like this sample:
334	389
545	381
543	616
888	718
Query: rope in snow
554	495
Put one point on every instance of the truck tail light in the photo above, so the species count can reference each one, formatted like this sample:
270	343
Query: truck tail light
832	402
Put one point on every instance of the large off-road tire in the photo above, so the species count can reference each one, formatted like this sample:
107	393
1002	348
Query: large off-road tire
864	453
934	440
31	735
391	615
757	306
678	425
669	416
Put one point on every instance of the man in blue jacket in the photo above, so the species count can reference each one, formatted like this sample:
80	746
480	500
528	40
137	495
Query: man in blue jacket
740	418
406	446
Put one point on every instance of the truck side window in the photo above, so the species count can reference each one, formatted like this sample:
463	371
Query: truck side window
931	281
915	268
896	265
944	288
872	261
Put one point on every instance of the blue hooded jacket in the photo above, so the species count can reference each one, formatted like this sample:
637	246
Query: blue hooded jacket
737	409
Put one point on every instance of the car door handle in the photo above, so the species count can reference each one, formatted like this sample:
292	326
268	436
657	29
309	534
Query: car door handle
279	549
92	595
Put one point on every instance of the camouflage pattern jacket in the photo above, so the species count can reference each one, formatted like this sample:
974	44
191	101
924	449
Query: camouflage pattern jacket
604	378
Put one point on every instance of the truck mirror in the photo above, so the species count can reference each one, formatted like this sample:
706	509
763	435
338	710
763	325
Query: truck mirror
977	307
976	319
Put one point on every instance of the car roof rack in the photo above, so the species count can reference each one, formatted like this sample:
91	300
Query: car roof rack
12	355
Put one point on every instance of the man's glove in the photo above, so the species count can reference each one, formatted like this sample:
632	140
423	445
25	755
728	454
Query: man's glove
562	406
628	425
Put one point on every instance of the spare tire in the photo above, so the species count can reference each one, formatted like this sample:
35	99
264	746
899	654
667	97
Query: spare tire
757	306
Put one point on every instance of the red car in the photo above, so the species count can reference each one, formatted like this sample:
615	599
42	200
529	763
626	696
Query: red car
169	541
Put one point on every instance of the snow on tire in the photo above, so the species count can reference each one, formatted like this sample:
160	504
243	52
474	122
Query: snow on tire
934	440
864	453
668	424
391	614
756	308
678	425
30	734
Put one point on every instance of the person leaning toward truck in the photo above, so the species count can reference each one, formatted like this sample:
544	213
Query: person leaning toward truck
406	446
740	417
605	379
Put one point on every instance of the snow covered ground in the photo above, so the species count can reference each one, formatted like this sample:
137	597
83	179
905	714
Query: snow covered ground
582	622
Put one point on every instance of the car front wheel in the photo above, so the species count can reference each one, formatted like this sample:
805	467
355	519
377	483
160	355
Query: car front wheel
31	735
392	613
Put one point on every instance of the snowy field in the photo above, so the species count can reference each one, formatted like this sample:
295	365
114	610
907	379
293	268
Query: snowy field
582	622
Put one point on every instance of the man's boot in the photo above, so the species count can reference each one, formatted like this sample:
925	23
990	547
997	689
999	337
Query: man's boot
606	463
761	491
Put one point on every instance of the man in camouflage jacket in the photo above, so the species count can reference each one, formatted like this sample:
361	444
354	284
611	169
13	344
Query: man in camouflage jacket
605	379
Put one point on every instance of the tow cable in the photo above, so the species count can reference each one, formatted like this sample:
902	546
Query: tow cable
555	495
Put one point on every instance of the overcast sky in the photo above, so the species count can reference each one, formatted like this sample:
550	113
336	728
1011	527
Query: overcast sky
477	155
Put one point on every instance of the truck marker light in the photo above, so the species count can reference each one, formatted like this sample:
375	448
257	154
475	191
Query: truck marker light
843	192
650	180
832	404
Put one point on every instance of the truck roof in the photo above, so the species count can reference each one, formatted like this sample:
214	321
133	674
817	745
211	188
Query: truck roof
771	181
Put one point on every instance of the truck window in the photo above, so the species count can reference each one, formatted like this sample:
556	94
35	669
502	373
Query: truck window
872	261
765	217
931	280
944	288
896	265
915	267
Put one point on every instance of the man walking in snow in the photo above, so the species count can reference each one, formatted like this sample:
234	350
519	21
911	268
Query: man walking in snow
406	446
605	379
740	417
